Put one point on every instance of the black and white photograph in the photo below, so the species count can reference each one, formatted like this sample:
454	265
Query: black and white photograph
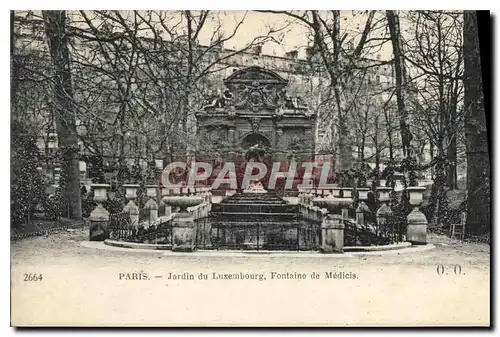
250	168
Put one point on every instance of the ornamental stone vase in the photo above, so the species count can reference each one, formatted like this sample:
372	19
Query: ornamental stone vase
346	192
151	191
334	205
131	191
363	193
384	193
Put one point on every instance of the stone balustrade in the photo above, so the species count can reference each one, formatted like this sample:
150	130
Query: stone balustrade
417	224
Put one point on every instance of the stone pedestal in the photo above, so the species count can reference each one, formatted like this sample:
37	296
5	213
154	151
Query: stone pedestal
416	229
345	213
361	210
99	218
153	210
332	230
99	221
183	233
133	210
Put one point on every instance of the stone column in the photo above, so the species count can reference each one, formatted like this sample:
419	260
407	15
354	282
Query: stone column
131	207
332	228
99	218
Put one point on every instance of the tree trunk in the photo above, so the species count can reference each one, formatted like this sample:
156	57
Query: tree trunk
55	28
451	170
399	69
478	164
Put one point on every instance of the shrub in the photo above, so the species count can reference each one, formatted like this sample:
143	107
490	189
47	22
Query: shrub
53	206
114	205
27	187
88	204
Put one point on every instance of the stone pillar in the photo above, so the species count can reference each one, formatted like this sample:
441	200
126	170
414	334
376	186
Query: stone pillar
360	213
345	213
151	203
332	230
153	211
184	233
131	207
99	218
360	216
416	228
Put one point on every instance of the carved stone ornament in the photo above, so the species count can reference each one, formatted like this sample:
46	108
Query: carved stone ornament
255	124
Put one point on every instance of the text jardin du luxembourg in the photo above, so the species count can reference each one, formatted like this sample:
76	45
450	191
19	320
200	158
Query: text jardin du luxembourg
223	276
260	276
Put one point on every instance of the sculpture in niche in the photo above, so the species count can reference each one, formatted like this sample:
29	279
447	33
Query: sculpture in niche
219	100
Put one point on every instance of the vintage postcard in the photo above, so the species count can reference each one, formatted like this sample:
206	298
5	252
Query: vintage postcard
249	168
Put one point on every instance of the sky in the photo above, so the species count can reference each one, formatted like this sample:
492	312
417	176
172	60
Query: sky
295	34
292	35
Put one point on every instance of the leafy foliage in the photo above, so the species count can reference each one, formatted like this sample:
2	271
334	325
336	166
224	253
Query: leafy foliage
27	187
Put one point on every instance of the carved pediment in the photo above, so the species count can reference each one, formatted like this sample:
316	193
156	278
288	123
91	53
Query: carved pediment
255	89
255	74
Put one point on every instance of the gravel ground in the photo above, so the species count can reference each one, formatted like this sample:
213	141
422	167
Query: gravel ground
65	248
86	286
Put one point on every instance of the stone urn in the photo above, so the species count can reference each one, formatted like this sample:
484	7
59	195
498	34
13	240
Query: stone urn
416	229
100	192
183	225
363	193
131	191
346	192
335	192
333	204
183	202
384	193
151	191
